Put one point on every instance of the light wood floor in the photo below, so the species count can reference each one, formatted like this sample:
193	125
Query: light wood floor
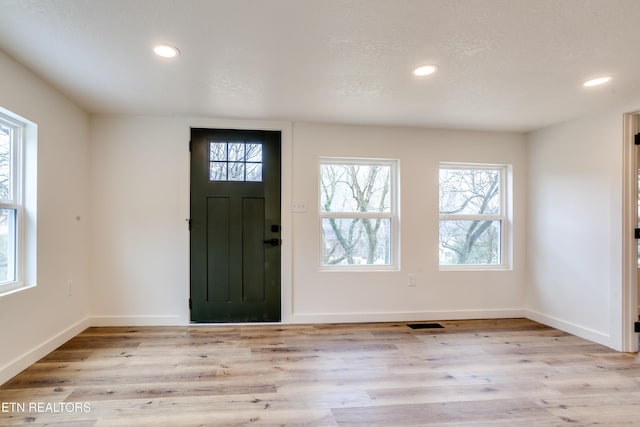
493	372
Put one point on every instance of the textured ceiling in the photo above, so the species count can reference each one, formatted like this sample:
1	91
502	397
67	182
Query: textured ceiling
504	64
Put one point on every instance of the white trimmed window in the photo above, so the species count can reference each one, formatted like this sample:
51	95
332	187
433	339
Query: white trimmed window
16	237
359	213
474	224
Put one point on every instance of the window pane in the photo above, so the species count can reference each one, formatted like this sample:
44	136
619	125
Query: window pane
356	241
218	151
469	242
254	152
218	171
5	163
236	171
7	245
355	188
469	191
228	161
254	171
236	152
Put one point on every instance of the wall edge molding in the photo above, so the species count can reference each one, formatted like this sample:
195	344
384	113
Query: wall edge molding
572	328
21	363
409	316
139	320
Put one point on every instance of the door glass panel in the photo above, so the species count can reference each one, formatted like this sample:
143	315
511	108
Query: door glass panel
218	171
235	161
236	152
218	151
254	172
236	171
254	153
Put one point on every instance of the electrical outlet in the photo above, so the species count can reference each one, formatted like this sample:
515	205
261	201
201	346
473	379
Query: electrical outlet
412	279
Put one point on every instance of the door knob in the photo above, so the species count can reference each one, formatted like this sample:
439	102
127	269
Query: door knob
273	242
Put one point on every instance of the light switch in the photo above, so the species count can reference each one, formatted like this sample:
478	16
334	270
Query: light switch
299	206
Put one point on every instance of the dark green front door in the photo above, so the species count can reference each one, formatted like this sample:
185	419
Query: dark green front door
235	225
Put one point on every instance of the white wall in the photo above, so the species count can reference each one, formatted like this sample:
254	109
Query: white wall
140	200
139	243
140	203
575	243
377	296
35	321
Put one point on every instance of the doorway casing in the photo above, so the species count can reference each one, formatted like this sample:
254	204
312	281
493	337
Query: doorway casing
286	131
629	295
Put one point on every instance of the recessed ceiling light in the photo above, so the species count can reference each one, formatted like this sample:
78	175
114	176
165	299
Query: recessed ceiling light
596	82
425	70
166	51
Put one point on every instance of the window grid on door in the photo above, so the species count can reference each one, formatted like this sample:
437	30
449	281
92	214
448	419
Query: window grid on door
235	161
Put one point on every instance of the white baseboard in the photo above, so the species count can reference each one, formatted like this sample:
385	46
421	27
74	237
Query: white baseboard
572	328
165	320
413	316
19	364
16	366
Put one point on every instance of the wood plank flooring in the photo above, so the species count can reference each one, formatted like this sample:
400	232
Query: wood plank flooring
506	372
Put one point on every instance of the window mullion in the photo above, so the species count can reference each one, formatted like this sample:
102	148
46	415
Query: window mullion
381	215
469	217
8	205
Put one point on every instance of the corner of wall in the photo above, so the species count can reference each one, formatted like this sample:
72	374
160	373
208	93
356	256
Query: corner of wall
27	359
572	328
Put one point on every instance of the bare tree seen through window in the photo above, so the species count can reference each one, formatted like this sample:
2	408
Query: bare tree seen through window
470	207
359	196
235	161
5	195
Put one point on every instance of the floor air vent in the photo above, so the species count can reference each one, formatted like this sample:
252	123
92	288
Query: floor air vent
425	325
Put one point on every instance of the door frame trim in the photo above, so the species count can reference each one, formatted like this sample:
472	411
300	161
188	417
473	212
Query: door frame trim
286	166
629	244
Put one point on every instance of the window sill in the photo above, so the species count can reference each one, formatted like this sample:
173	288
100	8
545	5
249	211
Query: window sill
13	288
363	269
475	268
